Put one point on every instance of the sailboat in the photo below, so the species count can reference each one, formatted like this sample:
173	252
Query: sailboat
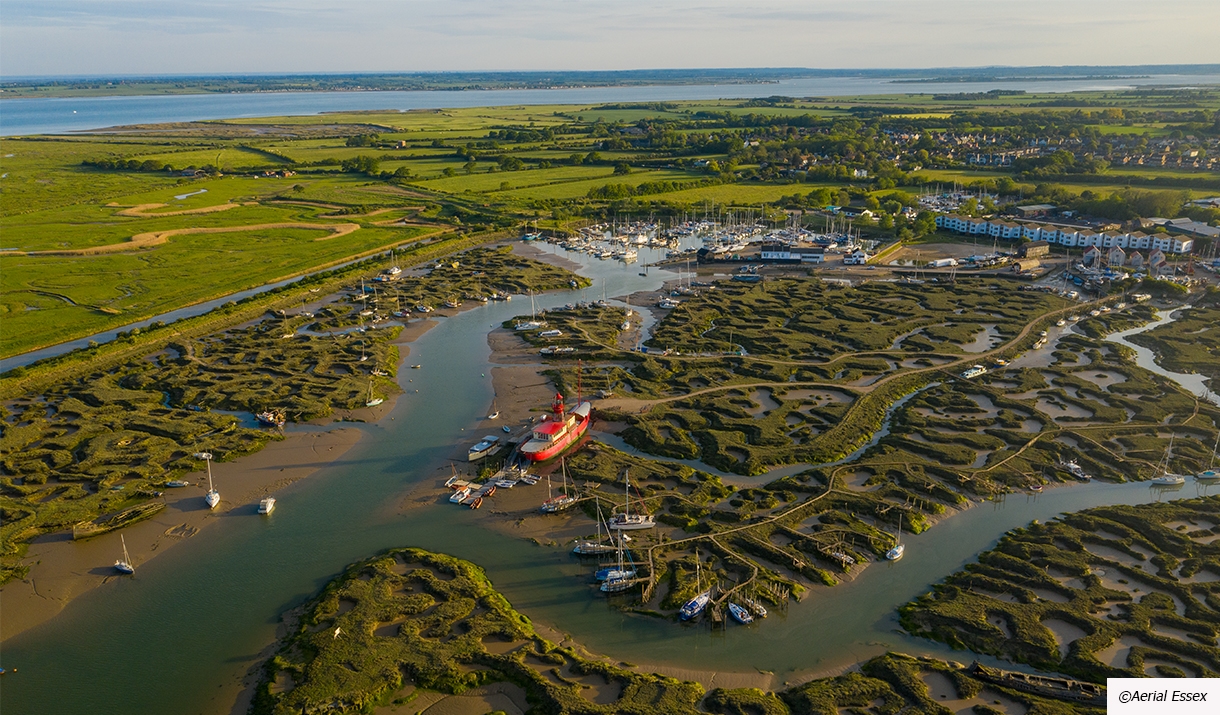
896	553
373	402
124	565
584	547
695	606
495	412
557	504
739	614
752	603
212	498
1165	478
533	323
628	521
1210	473
616	571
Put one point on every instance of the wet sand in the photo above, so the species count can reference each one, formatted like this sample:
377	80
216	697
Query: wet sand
62	569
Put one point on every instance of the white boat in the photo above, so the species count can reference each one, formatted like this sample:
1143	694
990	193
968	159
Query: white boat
124	565
177	483
1060	323
373	401
460	495
485	447
266	506
1075	470
628	521
495	412
617	572
557	504
899	549
585	547
754	606
212	498
1210	474
1165	478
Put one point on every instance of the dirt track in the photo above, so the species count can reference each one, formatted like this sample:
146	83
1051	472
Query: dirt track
155	238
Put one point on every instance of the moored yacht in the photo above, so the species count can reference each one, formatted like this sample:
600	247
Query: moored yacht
628	521
899	549
1165	478
485	447
124	565
739	614
1210	474
212	498
266	506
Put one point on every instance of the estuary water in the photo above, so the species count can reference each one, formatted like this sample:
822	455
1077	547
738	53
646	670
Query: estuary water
200	615
58	115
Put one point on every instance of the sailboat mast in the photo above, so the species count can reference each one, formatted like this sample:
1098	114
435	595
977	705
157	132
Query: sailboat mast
626	496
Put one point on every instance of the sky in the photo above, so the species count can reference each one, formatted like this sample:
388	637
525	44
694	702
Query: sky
151	37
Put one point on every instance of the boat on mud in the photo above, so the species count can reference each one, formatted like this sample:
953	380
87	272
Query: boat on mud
628	521
123	565
266	506
485	447
558	431
271	418
555	504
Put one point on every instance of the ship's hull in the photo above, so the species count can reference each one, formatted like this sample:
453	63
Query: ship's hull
552	450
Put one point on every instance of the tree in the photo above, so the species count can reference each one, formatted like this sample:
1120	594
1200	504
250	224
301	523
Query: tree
448	171
469	166
362	164
622	168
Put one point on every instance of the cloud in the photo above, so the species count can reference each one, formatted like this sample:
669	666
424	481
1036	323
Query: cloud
39	37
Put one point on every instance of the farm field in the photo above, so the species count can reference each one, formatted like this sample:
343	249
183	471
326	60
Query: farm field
463	169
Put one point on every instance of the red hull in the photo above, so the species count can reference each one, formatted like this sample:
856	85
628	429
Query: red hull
567	440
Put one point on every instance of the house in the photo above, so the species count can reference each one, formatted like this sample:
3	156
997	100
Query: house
1033	249
1116	257
1136	260
857	257
812	255
1092	256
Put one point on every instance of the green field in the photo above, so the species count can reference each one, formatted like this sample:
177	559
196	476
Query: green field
490	168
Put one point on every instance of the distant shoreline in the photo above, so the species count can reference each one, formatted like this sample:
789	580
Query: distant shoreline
467	81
